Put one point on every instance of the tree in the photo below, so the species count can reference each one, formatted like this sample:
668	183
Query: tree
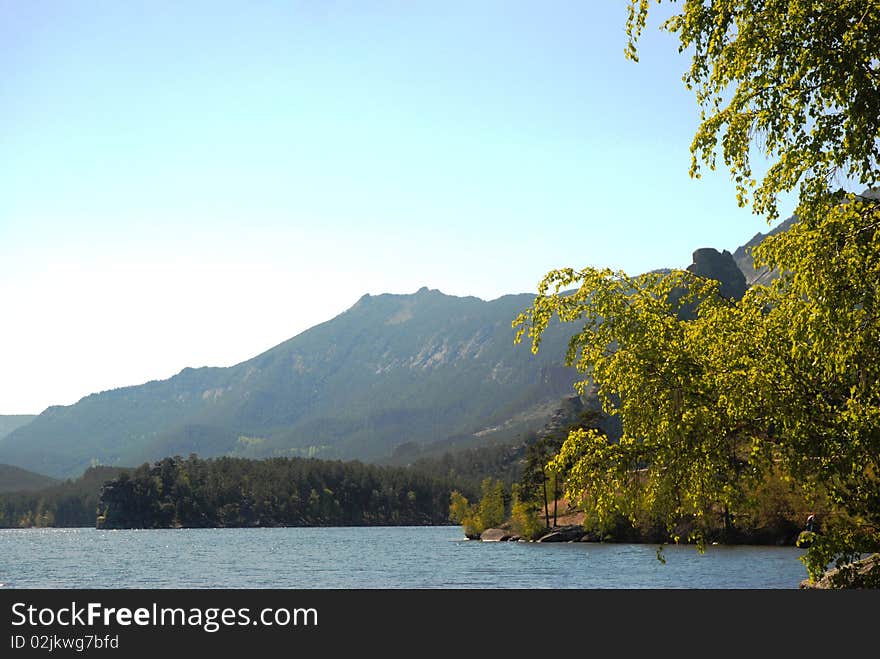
476	518
462	512
491	510
785	381
534	478
524	516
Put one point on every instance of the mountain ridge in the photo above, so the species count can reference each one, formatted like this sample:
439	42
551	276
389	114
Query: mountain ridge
418	369
11	422
16	479
438	365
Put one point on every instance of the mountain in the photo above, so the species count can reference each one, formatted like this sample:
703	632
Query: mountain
392	369
10	422
743	254
16	479
394	378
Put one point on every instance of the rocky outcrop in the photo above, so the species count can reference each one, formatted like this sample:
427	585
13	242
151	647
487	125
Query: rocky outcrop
864	573
570	408
720	266
569	533
581	411
711	264
498	535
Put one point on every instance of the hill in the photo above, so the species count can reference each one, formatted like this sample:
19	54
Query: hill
16	479
392	369
10	422
68	504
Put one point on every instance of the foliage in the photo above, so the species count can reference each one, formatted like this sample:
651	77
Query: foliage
783	384
491	503
524	518
461	512
476	518
784	380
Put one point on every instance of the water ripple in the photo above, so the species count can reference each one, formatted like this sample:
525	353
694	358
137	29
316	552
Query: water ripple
390	557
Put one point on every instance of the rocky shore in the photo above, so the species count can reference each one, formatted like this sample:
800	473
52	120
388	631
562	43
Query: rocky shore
864	573
568	533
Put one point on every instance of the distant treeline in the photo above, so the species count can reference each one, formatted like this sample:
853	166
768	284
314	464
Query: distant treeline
237	492
467	468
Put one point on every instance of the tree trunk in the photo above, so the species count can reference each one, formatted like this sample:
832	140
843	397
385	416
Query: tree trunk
555	497
546	508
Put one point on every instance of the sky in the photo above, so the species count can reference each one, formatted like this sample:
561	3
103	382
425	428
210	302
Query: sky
190	184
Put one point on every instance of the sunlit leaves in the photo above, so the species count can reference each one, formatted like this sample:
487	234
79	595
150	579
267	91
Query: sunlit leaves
797	80
782	383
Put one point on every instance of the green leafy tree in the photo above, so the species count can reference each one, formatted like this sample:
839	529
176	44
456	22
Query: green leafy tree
476	518
783	383
491	512
461	511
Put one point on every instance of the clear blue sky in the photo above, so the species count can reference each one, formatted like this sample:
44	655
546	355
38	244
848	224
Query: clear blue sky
188	184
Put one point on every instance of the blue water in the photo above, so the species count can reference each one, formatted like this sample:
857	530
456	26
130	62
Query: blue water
372	558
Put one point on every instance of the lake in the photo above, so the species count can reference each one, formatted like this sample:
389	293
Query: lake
371	558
